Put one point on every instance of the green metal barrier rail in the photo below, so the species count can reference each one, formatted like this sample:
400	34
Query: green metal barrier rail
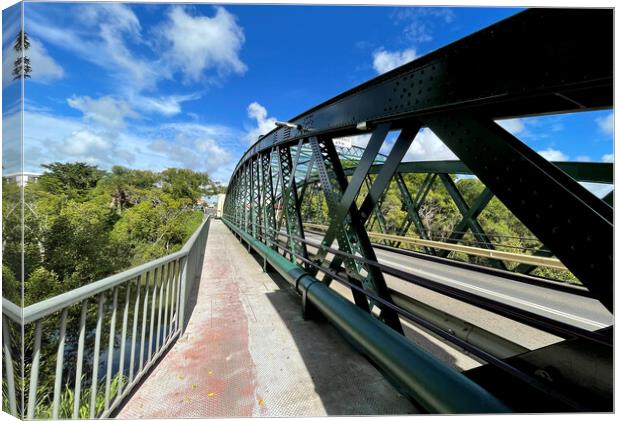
427	381
150	302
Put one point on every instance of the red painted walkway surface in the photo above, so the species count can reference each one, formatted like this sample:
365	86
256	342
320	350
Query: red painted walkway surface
247	352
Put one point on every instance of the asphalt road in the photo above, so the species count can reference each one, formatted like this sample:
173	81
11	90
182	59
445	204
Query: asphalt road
583	312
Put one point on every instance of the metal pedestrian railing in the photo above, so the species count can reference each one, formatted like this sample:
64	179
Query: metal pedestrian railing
83	351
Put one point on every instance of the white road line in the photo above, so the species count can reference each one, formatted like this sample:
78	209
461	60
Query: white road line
500	295
432	275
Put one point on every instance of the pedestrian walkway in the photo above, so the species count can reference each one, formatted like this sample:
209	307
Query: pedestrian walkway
248	352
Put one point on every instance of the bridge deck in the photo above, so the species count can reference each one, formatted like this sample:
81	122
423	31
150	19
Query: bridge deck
248	352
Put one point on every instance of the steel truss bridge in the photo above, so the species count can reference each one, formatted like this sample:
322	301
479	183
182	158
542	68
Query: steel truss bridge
390	322
531	64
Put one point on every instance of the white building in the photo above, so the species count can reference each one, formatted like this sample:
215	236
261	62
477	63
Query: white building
22	178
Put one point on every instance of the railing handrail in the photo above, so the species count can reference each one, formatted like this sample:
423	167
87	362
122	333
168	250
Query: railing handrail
51	305
11	310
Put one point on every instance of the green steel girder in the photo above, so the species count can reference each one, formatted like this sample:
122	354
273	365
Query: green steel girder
472	222
383	179
346	223
591	172
412	207
307	178
573	223
333	186
257	231
377	214
269	219
470	216
291	208
530	64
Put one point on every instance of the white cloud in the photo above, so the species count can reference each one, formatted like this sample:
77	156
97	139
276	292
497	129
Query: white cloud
583	158
421	22
84	145
106	111
360	140
164	105
606	124
608	157
49	138
551	154
199	153
8	58
102	37
428	147
264	124
44	68
513	126
599	190
196	44
384	61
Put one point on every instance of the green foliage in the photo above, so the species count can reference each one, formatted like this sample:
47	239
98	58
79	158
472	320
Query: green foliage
71	179
11	288
44	405
82	224
439	216
185	184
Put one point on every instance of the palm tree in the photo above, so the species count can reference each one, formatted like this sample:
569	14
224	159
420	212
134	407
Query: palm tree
21	65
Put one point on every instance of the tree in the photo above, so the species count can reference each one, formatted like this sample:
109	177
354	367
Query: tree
126	187
185	184
21	65
71	179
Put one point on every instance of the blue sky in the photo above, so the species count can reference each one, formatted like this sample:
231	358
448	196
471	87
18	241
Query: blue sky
154	86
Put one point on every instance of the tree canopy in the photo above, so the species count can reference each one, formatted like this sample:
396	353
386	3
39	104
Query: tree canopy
82	223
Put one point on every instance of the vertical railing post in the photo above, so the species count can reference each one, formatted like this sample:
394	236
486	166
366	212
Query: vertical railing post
59	364
8	366
108	379
34	371
79	362
184	292
95	376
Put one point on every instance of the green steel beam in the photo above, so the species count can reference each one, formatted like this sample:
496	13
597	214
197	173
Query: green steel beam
412	206
269	219
388	169
346	222
471	215
560	70
377	213
472	223
573	223
591	172
290	202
